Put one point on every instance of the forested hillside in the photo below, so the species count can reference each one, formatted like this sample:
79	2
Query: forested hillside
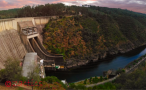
91	37
98	32
11	13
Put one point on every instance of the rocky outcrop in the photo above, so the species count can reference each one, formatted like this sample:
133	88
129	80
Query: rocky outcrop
123	48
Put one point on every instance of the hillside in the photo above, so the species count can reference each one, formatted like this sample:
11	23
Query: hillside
92	37
11	13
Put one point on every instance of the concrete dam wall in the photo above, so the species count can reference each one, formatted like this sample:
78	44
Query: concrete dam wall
13	44
10	46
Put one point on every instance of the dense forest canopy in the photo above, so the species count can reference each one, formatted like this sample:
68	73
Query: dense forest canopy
11	13
61	9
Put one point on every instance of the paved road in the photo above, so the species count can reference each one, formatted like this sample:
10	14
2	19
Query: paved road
135	66
109	80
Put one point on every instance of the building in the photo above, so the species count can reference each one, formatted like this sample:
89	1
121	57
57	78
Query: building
109	73
30	62
80	14
64	82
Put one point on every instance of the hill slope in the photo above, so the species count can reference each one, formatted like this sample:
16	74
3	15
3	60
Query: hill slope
86	37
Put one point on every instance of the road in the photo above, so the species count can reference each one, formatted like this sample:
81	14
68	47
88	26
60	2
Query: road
135	66
127	71
109	80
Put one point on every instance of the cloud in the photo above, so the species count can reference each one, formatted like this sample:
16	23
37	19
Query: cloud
134	5
6	5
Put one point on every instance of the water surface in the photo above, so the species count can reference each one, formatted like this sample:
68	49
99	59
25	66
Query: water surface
96	69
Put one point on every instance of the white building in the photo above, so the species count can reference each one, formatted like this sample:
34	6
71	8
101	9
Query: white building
30	61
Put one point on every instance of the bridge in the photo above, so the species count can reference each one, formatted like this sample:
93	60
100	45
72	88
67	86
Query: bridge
19	36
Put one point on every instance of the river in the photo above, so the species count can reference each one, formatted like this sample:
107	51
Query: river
96	68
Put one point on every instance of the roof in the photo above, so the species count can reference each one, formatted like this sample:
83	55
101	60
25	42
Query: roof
64	81
113	72
110	72
29	63
49	62
26	24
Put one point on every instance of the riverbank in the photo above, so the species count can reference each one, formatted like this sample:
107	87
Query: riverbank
129	70
135	65
96	68
91	80
76	63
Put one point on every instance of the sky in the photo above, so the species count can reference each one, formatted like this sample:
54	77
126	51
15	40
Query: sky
133	5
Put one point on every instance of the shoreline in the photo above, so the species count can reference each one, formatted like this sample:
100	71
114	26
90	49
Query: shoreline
71	70
78	63
141	59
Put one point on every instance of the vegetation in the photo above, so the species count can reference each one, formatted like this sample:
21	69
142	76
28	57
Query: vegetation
12	71
107	86
131	64
120	71
11	13
61	39
51	82
92	80
84	36
134	80
60	9
97	31
34	76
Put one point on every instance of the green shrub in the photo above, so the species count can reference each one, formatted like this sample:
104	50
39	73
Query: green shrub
80	86
12	71
105	78
101	78
51	79
72	85
90	80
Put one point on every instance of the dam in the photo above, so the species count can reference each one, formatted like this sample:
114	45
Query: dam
19	36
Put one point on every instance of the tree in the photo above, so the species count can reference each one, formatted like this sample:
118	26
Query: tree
52	80
72	86
85	81
80	87
33	76
12	70
101	78
90	79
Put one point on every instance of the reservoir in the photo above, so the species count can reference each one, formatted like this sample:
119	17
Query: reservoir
96	68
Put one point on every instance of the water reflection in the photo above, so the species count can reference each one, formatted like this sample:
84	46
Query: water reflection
96	69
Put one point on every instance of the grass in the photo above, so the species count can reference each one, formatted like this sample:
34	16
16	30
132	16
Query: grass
20	88
88	81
